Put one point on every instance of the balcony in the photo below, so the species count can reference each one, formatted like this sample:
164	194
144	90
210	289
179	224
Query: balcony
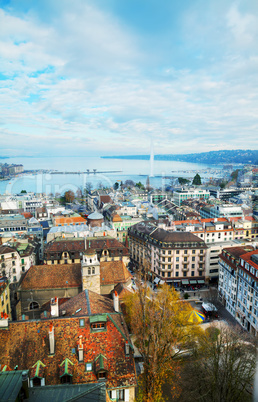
200	269
185	269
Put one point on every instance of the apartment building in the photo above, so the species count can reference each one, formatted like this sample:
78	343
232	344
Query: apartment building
173	257
238	285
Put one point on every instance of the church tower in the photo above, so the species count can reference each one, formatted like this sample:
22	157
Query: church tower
90	267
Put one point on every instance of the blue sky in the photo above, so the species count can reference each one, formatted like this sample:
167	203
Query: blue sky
103	77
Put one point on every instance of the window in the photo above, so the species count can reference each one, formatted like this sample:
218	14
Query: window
66	379
88	367
36	382
193	266
192	273
177	266
102	375
13	263
185	258
193	258
169	274
177	258
177	251
89	271
33	305
82	322
184	273
93	270
177	273
100	325
14	270
23	268
185	251
193	251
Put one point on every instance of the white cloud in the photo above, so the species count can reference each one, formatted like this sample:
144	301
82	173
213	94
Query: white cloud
82	83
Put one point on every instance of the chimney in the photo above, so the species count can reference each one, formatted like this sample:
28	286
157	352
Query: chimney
25	384
116	301
51	339
4	320
80	349
54	307
127	348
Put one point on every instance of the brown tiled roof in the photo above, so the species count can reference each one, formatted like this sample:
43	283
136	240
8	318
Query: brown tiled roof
60	245
112	272
6	249
26	342
173	237
86	303
105	199
52	277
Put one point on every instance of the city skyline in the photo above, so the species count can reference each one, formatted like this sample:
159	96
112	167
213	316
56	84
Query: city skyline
105	77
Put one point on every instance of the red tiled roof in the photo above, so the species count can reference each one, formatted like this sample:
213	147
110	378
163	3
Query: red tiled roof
52	277
26	342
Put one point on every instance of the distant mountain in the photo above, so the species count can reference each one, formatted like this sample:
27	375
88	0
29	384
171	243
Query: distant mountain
212	157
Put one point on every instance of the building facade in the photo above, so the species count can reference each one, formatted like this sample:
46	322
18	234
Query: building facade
173	257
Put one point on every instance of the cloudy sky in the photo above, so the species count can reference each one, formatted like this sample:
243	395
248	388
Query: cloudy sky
103	77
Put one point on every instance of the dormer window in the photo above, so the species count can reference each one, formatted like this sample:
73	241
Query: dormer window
98	322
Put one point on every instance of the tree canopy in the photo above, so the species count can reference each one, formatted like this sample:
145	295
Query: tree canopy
183	180
222	368
159	327
197	180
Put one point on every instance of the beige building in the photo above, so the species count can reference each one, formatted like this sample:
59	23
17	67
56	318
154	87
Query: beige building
173	257
5	304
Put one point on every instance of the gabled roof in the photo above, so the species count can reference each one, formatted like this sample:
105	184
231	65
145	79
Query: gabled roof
113	272
87	303
26	342
10	385
52	277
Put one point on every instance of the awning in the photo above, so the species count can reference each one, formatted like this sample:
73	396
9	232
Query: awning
193	281
176	280
156	280
185	282
162	282
201	281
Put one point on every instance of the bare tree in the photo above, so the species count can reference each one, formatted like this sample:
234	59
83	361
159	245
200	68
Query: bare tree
222	369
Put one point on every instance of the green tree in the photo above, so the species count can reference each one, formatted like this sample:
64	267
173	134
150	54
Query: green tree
234	174
116	185
183	180
140	186
23	192
197	180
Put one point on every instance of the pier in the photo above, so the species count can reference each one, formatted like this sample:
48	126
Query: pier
94	171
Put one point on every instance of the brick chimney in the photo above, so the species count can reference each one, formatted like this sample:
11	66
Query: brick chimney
51	339
4	320
127	348
80	349
54	307
116	301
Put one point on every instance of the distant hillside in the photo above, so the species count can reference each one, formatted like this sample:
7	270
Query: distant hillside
212	157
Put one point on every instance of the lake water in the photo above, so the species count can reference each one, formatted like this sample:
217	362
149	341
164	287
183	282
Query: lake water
136	170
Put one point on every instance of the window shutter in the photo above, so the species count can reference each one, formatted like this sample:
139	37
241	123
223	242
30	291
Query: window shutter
126	395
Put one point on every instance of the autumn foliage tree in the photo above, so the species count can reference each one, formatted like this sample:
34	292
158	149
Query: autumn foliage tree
69	196
158	322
